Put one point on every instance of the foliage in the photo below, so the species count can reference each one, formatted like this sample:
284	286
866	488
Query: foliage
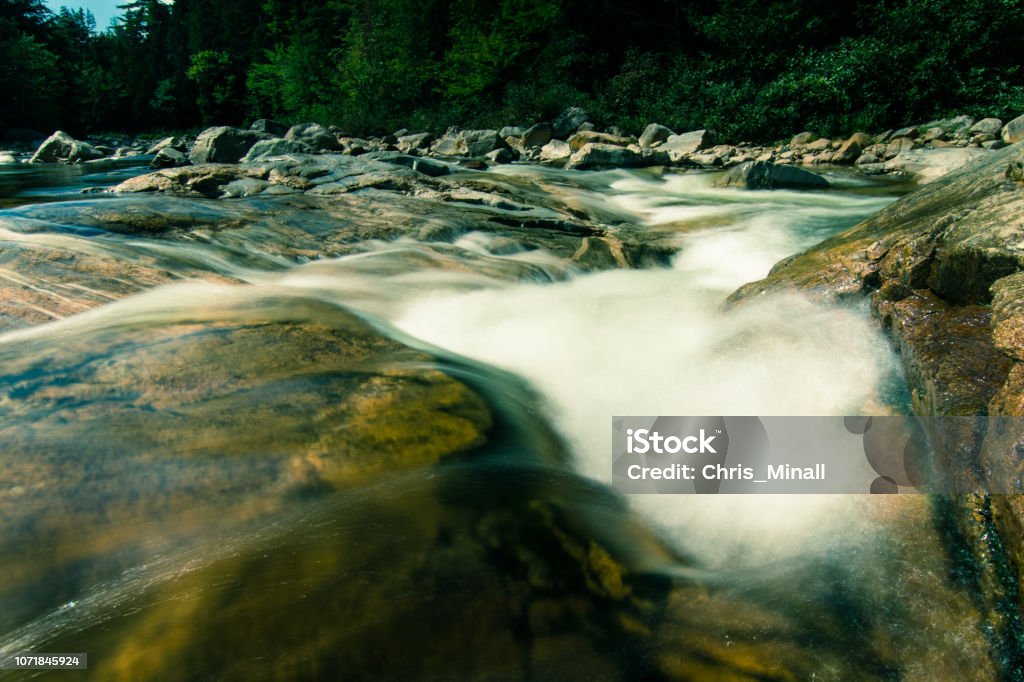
748	69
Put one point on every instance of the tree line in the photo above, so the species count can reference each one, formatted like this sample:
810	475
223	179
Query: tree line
750	70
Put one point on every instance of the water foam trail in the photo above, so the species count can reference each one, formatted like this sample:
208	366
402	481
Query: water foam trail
658	342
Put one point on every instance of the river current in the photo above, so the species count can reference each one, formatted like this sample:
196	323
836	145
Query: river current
557	346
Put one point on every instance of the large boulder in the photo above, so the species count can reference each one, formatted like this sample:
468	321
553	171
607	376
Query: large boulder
800	139
680	146
276	147
928	165
584	137
413	142
1013	132
569	121
595	155
654	134
987	126
767	175
222	144
555	152
62	148
315	135
851	150
537	135
469	143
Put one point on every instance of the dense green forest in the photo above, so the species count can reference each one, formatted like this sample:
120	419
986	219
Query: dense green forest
748	69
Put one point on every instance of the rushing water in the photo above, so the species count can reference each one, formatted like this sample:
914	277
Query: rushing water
853	571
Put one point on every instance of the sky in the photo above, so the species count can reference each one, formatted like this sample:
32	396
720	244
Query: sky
103	10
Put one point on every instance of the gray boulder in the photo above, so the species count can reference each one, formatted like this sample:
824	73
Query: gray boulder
800	139
599	155
765	175
315	135
569	121
585	137
653	134
909	131
538	135
1013	132
512	131
222	144
409	142
168	142
987	126
62	148
276	147
555	152
679	146
499	156
928	165
471	143
169	157
265	125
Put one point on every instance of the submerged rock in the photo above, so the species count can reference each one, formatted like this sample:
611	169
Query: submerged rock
766	175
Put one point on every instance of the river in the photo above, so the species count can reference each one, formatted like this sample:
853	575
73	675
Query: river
137	565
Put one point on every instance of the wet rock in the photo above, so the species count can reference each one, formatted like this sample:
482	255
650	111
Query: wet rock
764	175
499	156
222	144
213	409
62	148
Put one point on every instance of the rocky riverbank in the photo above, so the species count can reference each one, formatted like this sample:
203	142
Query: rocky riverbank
571	141
942	268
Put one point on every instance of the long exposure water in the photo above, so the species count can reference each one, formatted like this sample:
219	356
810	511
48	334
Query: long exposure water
124	559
